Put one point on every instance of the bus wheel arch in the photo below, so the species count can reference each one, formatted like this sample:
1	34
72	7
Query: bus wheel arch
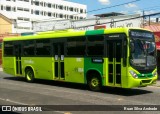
29	74
94	80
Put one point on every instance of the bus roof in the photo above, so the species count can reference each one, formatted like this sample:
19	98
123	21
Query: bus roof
62	34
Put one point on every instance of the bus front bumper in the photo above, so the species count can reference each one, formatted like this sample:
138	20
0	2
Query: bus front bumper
141	82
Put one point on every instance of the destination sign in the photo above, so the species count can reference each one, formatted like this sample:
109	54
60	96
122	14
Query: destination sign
141	34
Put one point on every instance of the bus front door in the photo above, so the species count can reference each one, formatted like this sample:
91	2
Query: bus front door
114	53
59	61
18	59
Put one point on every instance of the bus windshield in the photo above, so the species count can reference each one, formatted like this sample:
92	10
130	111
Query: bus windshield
143	52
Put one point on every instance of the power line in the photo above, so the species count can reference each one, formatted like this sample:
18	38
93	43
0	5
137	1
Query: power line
141	10
114	6
124	19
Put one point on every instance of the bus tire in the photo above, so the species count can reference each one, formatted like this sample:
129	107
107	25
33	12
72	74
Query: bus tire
94	82
29	75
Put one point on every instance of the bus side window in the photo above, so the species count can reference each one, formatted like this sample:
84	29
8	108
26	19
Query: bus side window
43	47
76	46
8	48
29	47
95	45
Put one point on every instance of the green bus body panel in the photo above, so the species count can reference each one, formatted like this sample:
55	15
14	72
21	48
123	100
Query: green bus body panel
9	65
74	69
42	66
95	32
89	65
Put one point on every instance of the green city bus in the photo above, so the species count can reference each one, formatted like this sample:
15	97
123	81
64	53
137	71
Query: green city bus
117	57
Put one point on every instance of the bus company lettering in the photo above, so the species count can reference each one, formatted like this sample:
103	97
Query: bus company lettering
29	61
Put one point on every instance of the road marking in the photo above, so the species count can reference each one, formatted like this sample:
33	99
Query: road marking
8	100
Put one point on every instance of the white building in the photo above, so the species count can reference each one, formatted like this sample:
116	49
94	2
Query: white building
24	12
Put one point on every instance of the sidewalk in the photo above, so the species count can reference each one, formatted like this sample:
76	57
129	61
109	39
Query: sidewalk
157	84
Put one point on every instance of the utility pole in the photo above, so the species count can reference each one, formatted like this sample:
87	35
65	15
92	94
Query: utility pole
143	18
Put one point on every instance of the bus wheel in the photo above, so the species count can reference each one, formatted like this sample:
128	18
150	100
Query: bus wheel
94	83
29	75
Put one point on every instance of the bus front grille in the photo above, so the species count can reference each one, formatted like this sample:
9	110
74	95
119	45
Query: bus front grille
146	81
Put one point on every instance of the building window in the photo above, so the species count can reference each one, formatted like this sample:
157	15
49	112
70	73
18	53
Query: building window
61	7
71	8
64	7
81	17
44	4
32	2
53	5
41	12
61	15
37	12
37	3
20	18
56	6
49	5
32	11
1	7
26	0
26	19
81	10
20	9
14	9
71	17
49	14
26	9
41	3
53	14
8	8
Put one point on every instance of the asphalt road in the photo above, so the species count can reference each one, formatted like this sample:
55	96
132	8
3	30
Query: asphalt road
49	94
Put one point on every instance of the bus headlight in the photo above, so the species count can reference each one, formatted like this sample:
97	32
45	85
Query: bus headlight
134	75
155	73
